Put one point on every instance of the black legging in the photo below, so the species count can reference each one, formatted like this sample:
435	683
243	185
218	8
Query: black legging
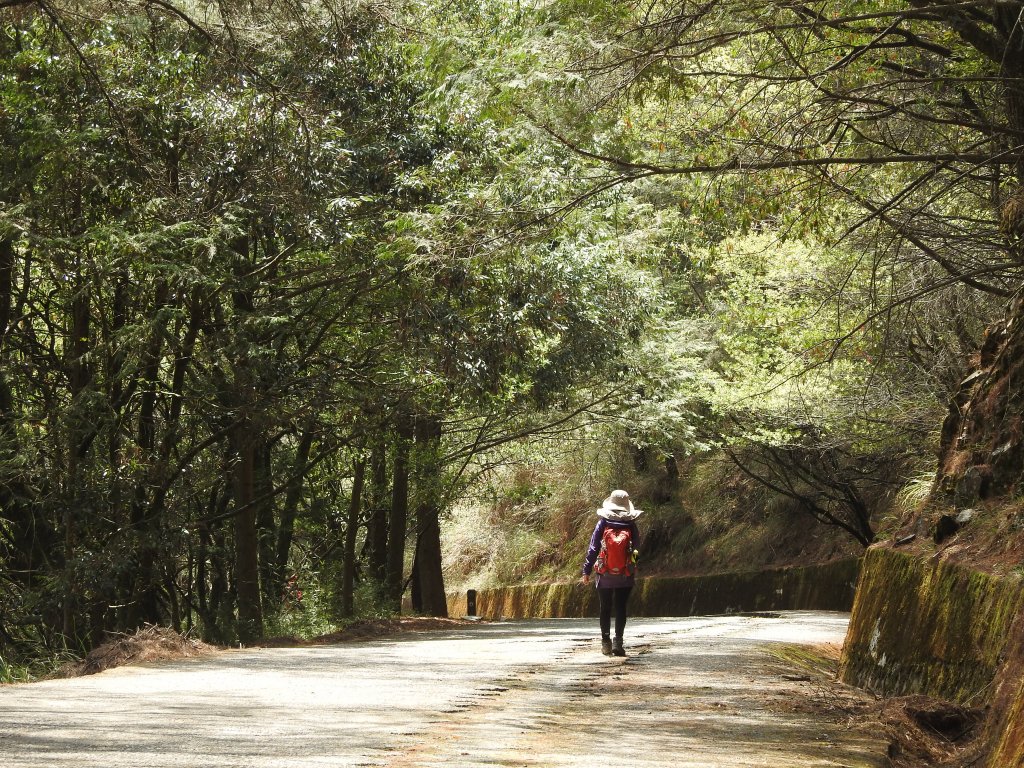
617	598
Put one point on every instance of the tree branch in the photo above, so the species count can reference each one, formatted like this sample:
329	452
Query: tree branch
737	165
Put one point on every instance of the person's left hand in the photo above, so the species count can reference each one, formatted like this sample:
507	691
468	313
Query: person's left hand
585	578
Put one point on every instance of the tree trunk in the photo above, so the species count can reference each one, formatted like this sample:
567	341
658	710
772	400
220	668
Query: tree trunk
30	533
376	547
220	607
429	595
263	487
429	578
202	553
79	377
245	447
144	602
290	509
398	521
348	564
247	561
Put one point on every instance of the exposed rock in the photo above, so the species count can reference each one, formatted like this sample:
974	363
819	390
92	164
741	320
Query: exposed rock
982	445
971	487
966	516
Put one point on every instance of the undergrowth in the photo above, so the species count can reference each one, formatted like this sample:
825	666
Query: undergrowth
533	522
305	618
315	614
22	670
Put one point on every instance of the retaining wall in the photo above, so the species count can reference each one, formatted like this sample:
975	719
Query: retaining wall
828	587
927	627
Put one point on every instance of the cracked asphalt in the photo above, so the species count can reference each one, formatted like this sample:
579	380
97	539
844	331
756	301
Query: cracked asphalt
696	692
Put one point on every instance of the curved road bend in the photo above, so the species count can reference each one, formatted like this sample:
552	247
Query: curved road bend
699	692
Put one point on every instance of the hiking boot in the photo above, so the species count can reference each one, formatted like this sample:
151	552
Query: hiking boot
617	649
606	646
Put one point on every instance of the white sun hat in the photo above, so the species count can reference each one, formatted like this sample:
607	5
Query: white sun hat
618	507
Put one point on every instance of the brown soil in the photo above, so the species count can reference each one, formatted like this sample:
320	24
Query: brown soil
992	542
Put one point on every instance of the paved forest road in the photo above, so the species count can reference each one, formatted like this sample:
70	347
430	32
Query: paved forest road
693	692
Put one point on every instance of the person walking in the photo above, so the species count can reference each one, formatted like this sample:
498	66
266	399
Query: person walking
612	556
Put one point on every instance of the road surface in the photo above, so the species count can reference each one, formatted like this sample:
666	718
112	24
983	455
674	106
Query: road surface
698	692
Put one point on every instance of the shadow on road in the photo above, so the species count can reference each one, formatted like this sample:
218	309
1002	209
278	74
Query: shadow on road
693	692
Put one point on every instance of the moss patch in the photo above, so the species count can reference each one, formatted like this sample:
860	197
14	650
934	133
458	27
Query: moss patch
823	587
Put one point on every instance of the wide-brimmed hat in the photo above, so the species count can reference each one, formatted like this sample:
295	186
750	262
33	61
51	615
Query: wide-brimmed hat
618	507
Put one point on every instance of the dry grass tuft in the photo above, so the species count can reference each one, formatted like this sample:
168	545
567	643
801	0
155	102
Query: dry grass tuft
150	643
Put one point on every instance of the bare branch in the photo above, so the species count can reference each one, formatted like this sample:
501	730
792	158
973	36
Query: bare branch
738	165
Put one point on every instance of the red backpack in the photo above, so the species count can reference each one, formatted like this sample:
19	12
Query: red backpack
616	556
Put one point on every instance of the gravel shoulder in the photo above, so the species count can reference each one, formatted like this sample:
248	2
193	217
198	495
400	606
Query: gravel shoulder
713	691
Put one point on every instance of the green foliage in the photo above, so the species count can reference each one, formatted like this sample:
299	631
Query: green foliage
244	252
246	255
309	618
33	668
806	309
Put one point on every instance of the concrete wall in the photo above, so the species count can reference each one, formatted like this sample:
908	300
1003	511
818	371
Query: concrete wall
918	626
1006	724
822	587
927	627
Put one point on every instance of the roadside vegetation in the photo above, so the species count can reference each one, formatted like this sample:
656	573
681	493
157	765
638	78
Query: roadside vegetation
711	518
286	289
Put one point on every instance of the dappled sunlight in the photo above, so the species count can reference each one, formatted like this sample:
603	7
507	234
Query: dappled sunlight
692	692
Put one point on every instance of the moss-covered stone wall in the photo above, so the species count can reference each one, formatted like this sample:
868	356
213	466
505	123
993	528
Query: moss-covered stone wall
1006	722
821	587
928	627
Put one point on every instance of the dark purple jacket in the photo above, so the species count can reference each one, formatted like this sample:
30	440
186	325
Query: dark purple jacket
609	580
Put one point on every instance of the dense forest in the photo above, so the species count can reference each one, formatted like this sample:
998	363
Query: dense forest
281	281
